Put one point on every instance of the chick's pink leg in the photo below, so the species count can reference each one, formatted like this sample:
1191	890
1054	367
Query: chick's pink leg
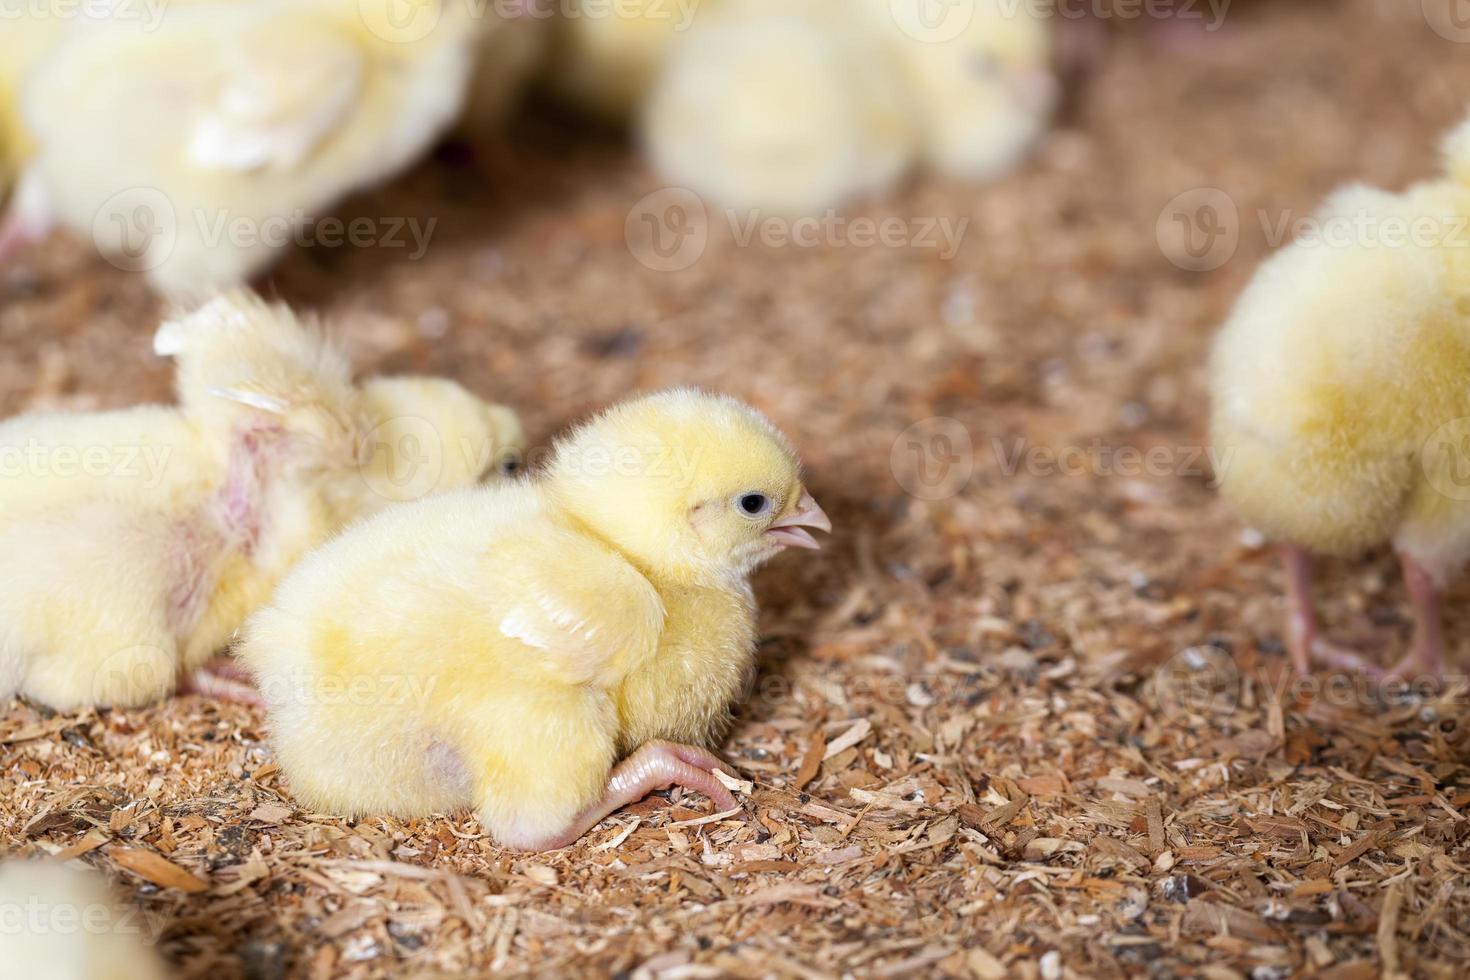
1426	656
1303	636
656	765
223	680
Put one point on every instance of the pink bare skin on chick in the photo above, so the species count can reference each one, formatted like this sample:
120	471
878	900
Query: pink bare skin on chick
120	582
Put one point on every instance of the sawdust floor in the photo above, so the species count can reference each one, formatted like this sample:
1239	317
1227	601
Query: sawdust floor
967	760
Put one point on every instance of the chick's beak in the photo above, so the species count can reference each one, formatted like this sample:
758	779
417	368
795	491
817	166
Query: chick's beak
791	530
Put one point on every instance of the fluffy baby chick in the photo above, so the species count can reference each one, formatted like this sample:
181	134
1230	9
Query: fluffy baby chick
503	648
789	108
605	57
980	78
197	148
1340	404
134	543
65	924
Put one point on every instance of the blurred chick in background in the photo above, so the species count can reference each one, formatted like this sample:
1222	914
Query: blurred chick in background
981	79
1340	405
63	923
779	106
134	543
507	646
796	107
604	57
194	148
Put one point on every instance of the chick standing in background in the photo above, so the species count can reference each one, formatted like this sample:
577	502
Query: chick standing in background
776	106
64	924
1340	401
604	58
195	147
134	543
508	646
980	79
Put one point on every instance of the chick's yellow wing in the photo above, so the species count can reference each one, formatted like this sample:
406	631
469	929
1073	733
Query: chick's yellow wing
283	87
582	612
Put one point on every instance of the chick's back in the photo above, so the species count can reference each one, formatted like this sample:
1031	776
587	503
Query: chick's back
442	648
1341	358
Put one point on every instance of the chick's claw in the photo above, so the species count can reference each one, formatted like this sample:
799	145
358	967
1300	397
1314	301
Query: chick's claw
657	765
223	680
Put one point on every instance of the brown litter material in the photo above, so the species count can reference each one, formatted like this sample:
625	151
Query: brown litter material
964	761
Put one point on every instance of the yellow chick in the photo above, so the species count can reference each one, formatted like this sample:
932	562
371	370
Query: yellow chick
503	648
65	924
1339	400
980	78
197	148
779	107
134	543
604	57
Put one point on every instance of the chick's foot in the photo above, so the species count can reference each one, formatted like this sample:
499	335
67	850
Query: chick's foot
223	680
655	766
1426	657
1303	637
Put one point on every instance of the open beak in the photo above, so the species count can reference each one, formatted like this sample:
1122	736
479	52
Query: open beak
791	530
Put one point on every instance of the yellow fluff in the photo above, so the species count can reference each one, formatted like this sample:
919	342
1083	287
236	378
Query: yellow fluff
605	56
134	543
501	648
1341	417
788	108
1341	360
65	924
195	148
979	78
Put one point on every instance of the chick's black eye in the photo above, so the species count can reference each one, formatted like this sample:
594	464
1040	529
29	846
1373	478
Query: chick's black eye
510	465
753	504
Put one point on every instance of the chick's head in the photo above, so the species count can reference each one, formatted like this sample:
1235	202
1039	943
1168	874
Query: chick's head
691	487
427	435
985	84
